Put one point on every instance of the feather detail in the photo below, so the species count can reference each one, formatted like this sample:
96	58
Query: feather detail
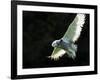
75	28
57	53
80	23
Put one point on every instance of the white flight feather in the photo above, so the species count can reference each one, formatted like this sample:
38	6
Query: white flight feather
59	54
75	28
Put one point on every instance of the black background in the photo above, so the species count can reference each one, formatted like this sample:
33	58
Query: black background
40	29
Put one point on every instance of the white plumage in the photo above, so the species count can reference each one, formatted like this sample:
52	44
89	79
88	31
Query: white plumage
60	53
72	34
75	28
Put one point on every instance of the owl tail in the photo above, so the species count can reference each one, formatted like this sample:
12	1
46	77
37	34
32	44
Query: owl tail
71	51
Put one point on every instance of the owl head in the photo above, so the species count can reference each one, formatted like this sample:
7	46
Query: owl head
55	43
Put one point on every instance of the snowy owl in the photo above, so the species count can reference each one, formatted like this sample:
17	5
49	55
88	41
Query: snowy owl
66	45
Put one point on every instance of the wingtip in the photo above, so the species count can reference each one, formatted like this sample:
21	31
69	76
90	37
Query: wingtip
52	58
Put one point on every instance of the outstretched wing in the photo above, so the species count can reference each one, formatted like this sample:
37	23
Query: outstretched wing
57	53
75	28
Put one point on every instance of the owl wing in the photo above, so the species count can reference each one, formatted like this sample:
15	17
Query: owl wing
57	53
74	30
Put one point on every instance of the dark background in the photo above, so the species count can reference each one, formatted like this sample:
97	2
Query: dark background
40	29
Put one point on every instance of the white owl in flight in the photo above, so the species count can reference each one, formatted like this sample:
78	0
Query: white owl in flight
66	45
